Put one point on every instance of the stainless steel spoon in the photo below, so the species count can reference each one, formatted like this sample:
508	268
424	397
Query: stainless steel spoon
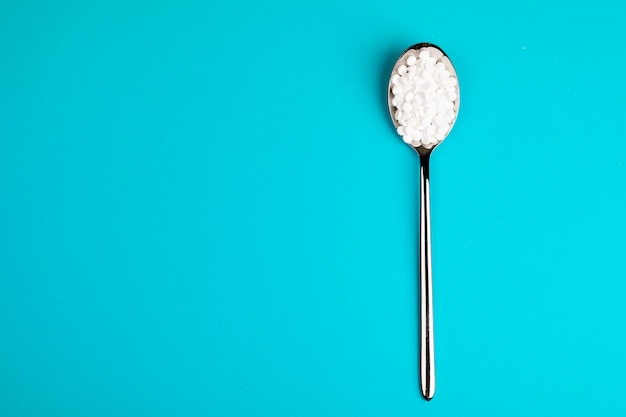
427	347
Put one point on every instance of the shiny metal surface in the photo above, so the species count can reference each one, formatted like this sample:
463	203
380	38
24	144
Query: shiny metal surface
427	342
427	339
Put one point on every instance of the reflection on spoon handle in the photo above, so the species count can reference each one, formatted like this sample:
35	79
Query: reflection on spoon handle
427	346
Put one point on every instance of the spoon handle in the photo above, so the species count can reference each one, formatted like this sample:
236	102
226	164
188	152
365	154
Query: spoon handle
427	346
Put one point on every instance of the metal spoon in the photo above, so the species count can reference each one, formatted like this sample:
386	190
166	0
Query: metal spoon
427	347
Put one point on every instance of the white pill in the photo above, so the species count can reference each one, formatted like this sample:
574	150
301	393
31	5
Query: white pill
398	115
424	54
395	79
400	130
409	97
402	69
411	60
407	107
444	104
406	139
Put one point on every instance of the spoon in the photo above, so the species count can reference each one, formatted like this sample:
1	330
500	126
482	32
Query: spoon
427	347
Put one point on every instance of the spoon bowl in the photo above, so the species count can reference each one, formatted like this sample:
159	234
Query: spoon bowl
441	56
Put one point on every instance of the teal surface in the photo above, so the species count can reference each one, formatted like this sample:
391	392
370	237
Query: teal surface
205	211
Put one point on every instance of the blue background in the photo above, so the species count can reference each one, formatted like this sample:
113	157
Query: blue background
205	211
